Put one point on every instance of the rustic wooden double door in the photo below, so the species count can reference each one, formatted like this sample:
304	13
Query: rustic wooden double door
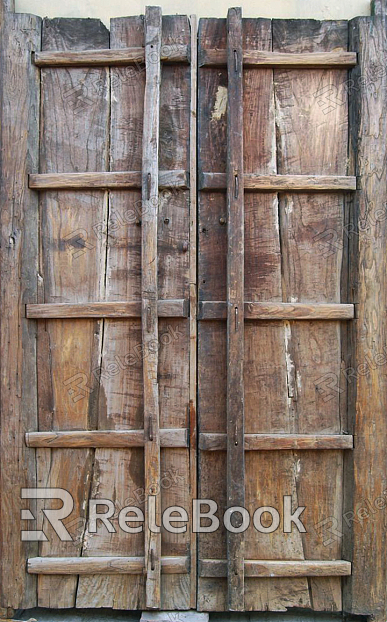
193	296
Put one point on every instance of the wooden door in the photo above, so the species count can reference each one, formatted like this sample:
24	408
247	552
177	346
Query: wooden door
287	114
99	317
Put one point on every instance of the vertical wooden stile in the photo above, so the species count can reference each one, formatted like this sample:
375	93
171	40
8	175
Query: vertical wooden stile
235	306
149	303
193	294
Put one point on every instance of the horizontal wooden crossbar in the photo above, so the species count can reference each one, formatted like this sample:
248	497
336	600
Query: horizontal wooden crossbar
306	60
268	442
257	568
115	180
278	183
166	308
104	438
103	565
99	58
209	310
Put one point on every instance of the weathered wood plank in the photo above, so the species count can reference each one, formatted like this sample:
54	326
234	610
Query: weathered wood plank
253	181
165	308
209	310
102	565
193	297
20	88
275	442
74	137
104	180
235	306
149	298
117	57
104	438
263	568
366	540
259	58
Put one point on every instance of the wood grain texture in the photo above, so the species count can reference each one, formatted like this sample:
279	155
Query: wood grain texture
366	540
235	306
209	310
165	308
259	58
19	90
119	57
275	442
149	290
104	438
74	137
218	181
102	565
128	179
263	568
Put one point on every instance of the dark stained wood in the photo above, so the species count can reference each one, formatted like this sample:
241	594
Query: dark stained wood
366	540
100	58
235	306
19	36
252	181
102	565
280	311
252	58
274	442
149	291
165	308
261	568
129	179
104	438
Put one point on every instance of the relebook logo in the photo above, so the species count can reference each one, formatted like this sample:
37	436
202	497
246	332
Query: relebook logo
202	518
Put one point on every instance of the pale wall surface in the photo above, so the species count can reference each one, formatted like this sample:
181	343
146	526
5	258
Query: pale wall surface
105	9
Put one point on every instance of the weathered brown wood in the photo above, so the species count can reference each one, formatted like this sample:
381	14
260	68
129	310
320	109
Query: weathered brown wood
379	8
102	565
253	181
149	298
280	311
100	58
193	296
104	438
165	308
235	306
276	442
263	568
366	540
19	36
259	58
74	137
129	179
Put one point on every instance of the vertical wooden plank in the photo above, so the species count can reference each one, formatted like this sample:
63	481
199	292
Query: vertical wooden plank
149	302
120	403
193	296
75	117
311	275
235	307
20	89
366	539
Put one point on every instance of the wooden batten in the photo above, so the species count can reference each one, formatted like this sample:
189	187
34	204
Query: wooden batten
265	183
209	310
102	565
101	58
165	308
235	306
105	438
104	180
276	442
258	568
307	60
149	296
